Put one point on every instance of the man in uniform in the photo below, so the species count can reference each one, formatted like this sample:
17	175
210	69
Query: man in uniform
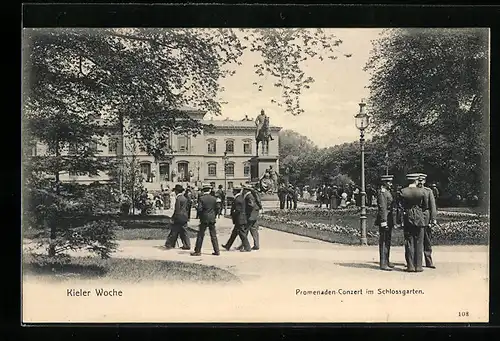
239	217
414	202
259	122
207	206
430	221
179	221
385	220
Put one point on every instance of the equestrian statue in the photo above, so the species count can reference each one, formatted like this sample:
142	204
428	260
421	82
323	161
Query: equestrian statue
263	133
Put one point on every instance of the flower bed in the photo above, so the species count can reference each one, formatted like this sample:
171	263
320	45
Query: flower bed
342	226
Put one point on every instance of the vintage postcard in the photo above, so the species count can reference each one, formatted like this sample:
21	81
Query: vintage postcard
255	175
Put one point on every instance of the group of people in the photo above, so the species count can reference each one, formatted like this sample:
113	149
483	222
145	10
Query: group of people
288	196
244	213
412	208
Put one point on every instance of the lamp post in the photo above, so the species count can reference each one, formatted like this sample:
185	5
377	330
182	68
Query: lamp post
225	182
362	122
198	169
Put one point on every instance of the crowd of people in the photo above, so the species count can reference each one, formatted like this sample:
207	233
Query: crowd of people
244	213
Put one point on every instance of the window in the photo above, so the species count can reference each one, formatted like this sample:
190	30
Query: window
230	169
230	185
212	169
112	145
211	147
72	148
246	169
182	143
93	146
247	147
164	172
230	146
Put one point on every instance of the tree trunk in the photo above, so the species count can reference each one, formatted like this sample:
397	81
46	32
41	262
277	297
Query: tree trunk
53	222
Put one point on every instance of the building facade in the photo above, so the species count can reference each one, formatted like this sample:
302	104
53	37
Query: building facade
194	159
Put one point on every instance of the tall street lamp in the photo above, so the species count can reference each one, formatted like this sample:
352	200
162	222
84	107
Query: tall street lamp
362	122
225	181
198	164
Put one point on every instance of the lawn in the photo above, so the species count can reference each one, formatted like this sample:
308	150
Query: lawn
343	227
127	270
135	228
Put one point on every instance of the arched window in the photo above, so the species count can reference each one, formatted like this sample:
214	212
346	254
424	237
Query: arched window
112	144
72	149
212	169
247	146
230	169
211	146
230	146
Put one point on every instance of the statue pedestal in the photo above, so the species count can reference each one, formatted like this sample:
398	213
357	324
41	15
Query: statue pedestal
259	164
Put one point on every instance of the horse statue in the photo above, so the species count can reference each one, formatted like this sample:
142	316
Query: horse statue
263	135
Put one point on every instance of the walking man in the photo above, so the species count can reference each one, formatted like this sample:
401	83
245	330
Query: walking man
430	221
385	220
179	221
252	207
239	217
207	207
414	202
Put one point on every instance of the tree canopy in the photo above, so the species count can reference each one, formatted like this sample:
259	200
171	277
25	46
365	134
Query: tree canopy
428	100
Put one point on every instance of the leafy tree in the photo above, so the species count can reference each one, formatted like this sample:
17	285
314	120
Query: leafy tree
428	98
138	77
294	151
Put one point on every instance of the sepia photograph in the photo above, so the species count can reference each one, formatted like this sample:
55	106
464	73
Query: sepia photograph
252	175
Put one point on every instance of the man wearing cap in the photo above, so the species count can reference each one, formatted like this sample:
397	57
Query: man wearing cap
179	221
239	217
430	221
414	201
385	220
206	208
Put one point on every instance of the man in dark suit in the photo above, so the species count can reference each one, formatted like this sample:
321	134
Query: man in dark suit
252	207
207	206
385	220
414	202
239	217
430	221
189	196
179	221
282	195
289	197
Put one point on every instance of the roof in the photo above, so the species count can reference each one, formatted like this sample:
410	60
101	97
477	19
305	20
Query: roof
232	124
189	109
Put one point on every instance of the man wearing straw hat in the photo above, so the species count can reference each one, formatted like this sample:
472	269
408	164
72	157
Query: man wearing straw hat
252	207
385	220
414	202
206	208
430	221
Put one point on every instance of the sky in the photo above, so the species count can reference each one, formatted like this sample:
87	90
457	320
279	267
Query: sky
329	105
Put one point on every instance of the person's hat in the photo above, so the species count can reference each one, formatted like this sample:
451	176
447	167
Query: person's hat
178	188
412	176
434	185
387	177
423	176
237	188
206	187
